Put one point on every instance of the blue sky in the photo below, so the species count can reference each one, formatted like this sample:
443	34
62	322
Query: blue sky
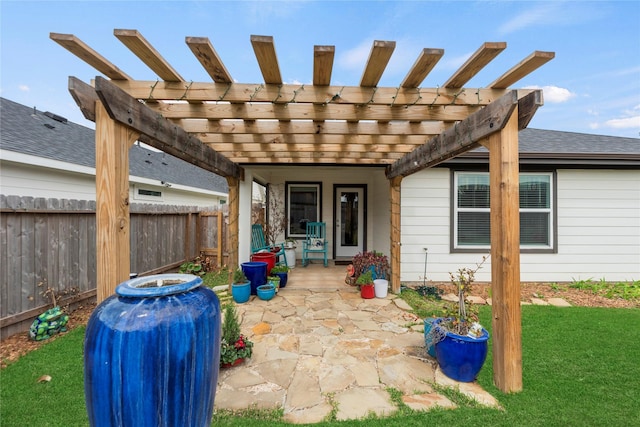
592	85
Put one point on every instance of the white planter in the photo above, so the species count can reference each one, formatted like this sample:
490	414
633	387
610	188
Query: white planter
381	286
290	253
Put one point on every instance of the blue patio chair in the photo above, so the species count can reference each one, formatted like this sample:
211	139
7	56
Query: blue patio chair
315	242
259	243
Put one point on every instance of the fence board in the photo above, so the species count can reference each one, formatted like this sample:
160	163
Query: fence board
53	241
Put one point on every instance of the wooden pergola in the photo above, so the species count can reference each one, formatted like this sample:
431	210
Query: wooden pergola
222	126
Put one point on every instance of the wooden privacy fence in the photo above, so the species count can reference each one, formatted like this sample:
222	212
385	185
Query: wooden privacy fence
52	243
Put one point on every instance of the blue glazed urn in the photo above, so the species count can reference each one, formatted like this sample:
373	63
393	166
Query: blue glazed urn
152	353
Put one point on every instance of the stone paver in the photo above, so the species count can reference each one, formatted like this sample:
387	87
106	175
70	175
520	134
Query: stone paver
558	302
318	353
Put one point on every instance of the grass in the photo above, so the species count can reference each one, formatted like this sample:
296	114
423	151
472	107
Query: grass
580	367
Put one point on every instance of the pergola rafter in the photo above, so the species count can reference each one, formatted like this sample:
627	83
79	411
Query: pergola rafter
222	126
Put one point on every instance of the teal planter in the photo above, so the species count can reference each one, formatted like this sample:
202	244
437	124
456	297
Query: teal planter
152	354
241	292
266	292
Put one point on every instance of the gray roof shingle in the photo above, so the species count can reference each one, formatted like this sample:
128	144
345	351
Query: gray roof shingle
29	131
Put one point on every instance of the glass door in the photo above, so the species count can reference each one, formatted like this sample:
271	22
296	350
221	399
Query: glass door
349	223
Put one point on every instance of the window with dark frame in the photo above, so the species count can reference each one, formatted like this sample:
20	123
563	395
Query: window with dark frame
472	228
302	206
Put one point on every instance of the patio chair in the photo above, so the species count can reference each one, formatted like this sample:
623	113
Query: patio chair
259	243
315	242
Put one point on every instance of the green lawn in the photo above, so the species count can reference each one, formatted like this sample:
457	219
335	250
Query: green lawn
581	368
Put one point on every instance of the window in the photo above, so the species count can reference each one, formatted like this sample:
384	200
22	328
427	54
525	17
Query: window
472	211
147	194
302	205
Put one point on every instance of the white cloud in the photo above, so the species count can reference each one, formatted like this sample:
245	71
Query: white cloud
355	58
625	123
554	94
23	88
538	15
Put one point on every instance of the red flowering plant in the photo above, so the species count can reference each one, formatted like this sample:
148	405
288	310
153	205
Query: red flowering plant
233	345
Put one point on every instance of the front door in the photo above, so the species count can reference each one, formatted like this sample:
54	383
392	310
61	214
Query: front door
349	228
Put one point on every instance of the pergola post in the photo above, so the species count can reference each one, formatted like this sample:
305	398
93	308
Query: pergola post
394	189
234	211
113	141
505	256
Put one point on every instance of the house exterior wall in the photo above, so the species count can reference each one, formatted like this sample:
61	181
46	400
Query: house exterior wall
598	229
63	180
378	209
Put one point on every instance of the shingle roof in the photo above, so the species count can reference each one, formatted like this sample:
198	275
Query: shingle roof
571	148
29	131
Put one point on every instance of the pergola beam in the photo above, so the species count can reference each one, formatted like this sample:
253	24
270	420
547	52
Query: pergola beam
148	54
465	135
485	54
323	64
265	51
88	55
160	133
378	59
523	68
307	127
422	67
300	111
290	93
205	53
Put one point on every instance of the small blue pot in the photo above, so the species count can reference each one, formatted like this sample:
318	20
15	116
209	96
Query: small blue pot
461	357
241	292
266	292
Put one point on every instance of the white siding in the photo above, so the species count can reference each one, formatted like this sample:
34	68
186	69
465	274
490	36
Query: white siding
20	179
598	229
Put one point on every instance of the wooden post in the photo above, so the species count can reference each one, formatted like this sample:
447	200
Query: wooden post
219	251
234	210
505	257
113	141
395	233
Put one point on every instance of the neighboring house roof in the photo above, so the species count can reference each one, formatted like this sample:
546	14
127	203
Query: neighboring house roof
29	131
537	146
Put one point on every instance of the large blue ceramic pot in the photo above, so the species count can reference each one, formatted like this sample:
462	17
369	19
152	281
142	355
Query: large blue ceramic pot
152	354
256	272
461	357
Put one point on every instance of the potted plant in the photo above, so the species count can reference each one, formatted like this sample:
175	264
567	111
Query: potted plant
365	281
274	281
282	271
240	287
460	342
375	261
234	347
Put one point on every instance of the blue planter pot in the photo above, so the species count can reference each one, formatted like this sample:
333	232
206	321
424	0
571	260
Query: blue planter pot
256	272
152	354
266	292
283	278
241	292
461	357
